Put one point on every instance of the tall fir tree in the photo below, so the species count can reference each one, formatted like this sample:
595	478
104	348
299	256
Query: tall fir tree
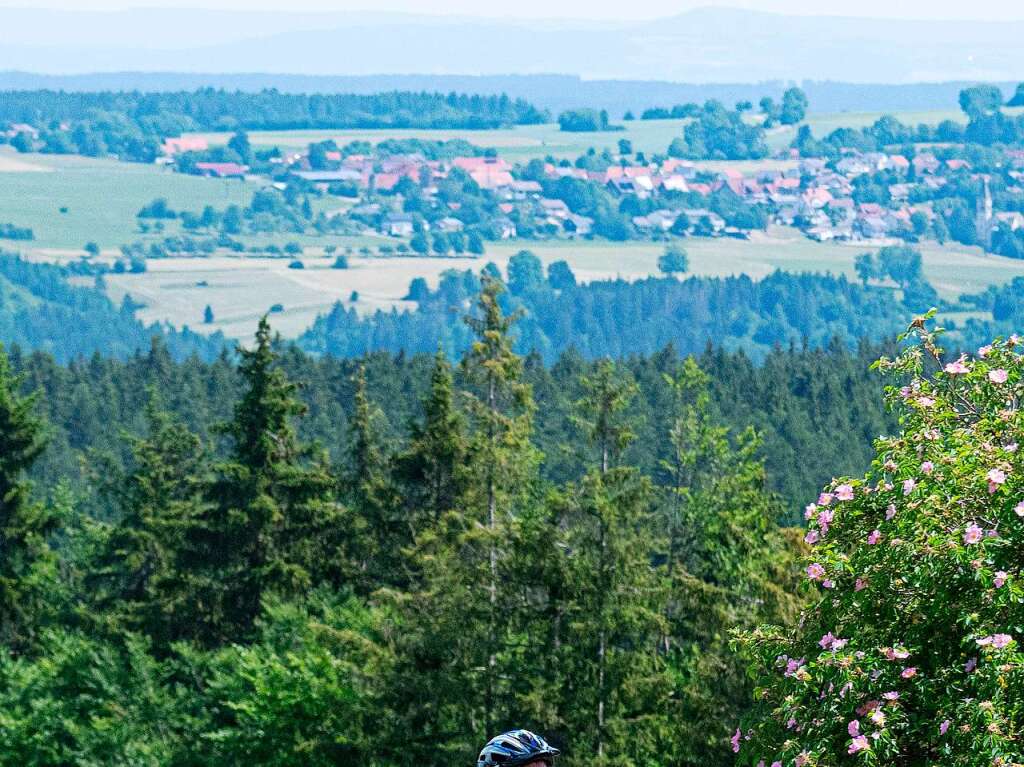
430	470
618	693
378	535
728	563
273	520
134	582
27	563
503	460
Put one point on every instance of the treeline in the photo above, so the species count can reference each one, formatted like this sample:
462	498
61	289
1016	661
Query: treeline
617	318
794	397
132	124
39	309
13	232
244	597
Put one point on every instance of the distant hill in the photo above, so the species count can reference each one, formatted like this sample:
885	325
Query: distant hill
704	45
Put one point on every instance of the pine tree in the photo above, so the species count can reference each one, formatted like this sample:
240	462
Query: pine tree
616	598
134	582
27	564
728	565
430	470
503	460
379	536
272	526
454	628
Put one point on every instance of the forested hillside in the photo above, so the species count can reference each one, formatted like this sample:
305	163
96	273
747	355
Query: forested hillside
248	599
792	397
40	310
617	318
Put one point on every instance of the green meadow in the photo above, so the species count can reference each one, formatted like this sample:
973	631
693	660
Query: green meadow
69	200
526	142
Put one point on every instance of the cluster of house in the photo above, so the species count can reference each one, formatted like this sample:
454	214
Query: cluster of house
495	175
810	194
820	200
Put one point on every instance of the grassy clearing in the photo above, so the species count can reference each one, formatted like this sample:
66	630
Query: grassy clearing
240	289
101	196
523	143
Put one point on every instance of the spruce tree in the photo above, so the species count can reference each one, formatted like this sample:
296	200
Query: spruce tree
134	582
728	565
27	563
501	408
616	600
272	523
430	470
378	535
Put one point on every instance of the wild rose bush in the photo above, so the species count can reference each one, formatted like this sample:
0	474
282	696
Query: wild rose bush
910	653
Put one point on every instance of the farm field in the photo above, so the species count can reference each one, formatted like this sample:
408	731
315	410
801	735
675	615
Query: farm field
101	197
525	142
240	289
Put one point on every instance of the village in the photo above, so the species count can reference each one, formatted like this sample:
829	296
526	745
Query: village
862	196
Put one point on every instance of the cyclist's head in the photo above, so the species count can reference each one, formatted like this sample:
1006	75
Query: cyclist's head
518	748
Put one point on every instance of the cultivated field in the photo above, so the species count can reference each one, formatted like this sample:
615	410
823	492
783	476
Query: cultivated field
525	142
240	289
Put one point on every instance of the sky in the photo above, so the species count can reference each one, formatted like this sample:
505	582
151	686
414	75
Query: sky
990	10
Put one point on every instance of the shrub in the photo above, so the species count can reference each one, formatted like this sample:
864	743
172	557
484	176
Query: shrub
910	652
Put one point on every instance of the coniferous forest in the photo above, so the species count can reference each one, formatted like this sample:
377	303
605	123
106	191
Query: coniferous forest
281	560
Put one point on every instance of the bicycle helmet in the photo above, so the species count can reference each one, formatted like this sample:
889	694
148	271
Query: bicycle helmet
515	749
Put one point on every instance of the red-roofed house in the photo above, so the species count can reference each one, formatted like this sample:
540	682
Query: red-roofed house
221	169
173	146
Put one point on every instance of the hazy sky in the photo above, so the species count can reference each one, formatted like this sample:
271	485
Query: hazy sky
582	9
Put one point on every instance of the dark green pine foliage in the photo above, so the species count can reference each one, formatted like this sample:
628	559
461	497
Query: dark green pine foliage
457	669
615	705
431	470
27	564
134	583
378	533
728	564
273	523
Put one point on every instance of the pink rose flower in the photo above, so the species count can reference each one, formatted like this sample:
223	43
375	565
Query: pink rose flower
853	728
844	493
996	477
984	351
890	512
815	571
1019	509
972	534
998	376
874	537
735	740
957	368
909	485
1000	579
860	584
944	727
811	538
909	672
860	743
927	467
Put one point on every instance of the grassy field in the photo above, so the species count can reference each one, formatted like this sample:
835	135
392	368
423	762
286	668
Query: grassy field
525	142
101	197
240	289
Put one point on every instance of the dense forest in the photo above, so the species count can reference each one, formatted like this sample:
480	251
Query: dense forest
616	318
245	598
